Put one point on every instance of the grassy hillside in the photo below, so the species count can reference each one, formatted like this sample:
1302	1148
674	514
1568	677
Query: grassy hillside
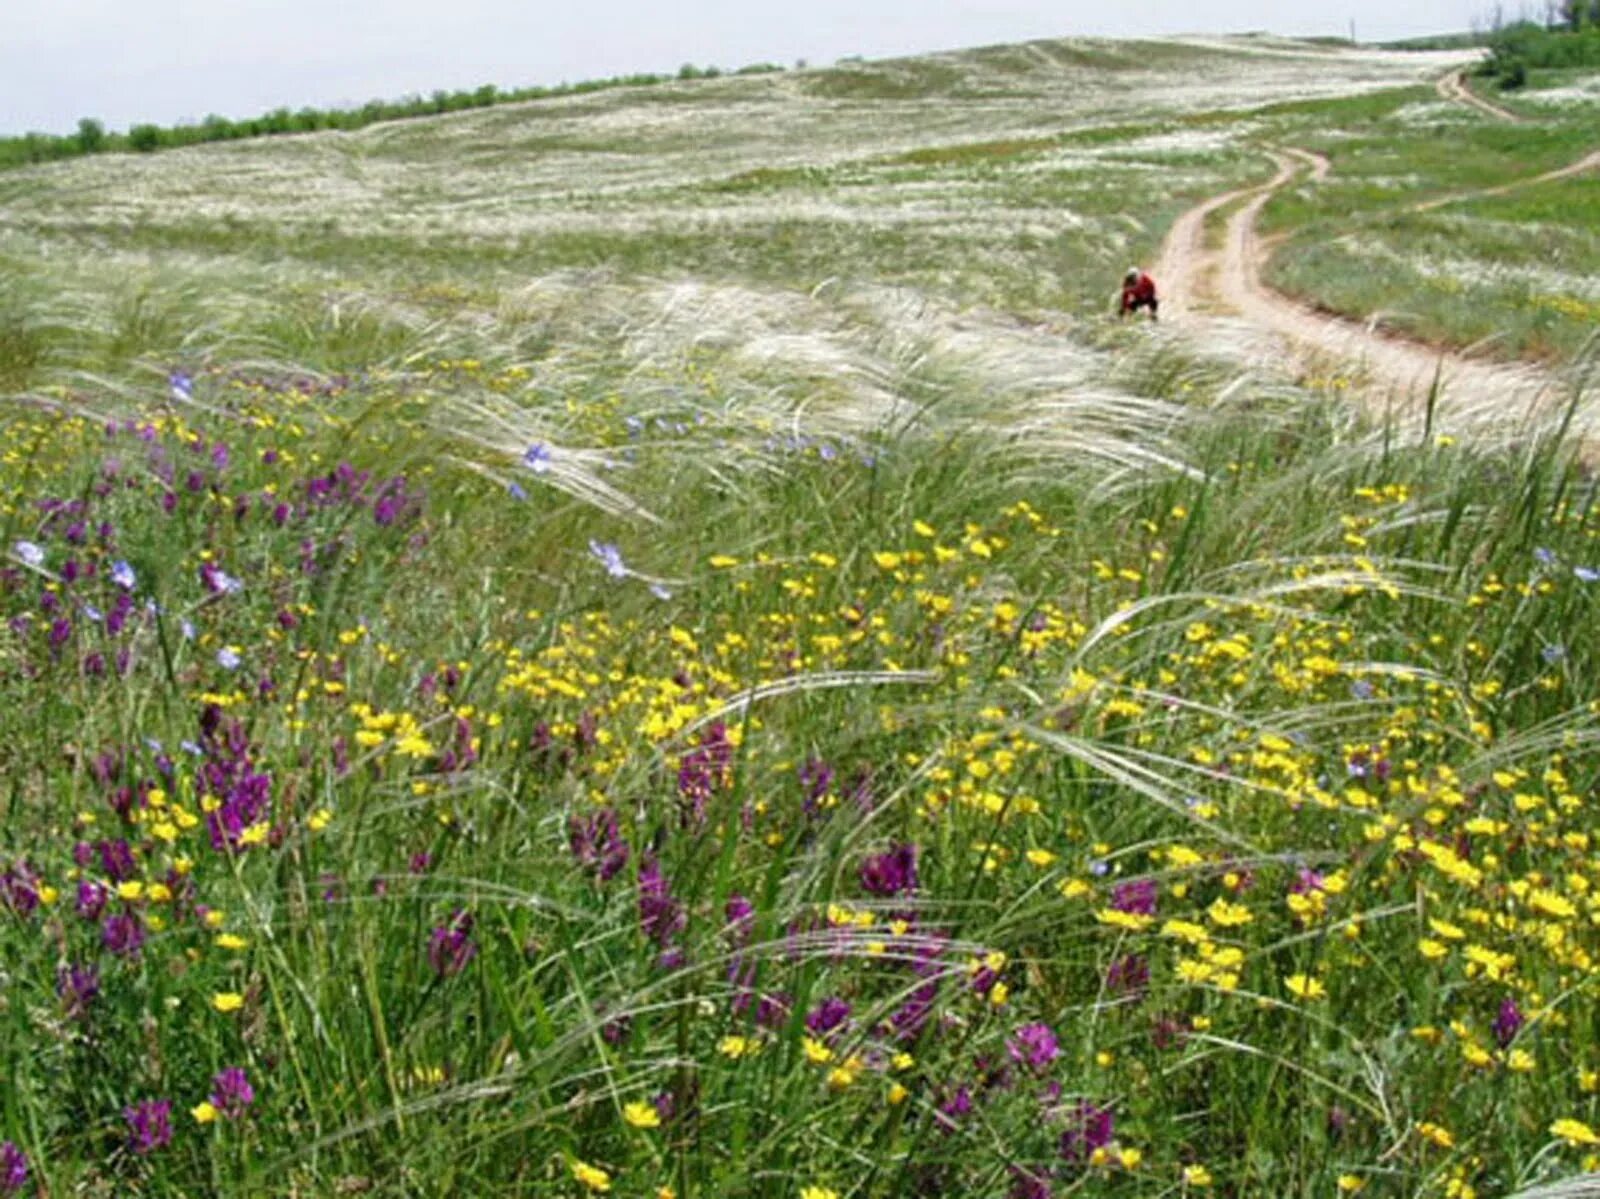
660	643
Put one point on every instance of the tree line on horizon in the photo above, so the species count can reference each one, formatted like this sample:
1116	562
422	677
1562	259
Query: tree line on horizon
92	136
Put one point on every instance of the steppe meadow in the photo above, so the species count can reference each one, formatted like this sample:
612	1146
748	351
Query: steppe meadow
666	642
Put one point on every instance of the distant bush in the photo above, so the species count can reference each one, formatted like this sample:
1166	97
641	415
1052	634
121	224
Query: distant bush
1513	74
1524	46
91	136
145	138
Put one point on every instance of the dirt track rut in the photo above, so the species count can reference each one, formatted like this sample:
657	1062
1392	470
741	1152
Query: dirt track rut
1454	87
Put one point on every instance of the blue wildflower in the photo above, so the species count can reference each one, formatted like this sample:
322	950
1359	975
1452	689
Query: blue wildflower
537	458
1586	574
29	553
516	491
228	658
122	575
610	557
182	384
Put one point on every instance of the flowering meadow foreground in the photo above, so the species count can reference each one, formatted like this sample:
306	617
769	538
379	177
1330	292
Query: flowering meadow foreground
660	645
885	819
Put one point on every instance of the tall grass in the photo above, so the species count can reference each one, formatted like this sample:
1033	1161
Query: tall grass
709	737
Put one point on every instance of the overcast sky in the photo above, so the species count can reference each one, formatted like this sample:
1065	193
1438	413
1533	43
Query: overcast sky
164	61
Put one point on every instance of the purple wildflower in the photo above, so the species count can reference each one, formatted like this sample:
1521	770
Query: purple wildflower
116	857
231	1092
19	889
149	1125
450	946
218	581
1508	1022
1091	1128
891	872
598	844
1137	897
959	1104
77	987
394	503
827	1016
92	899
1034	1046
123	935
739	913
908	1020
816	779
1169	1031
664	1104
661	917
704	769
1306	880
773	1008
1128	975
13	1169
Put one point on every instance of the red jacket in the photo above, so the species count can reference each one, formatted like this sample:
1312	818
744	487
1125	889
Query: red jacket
1142	291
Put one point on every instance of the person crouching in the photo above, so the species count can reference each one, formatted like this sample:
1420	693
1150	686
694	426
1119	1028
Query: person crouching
1139	291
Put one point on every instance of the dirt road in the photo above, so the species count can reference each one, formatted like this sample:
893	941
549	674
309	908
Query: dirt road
1590	162
1396	370
1454	87
1394	376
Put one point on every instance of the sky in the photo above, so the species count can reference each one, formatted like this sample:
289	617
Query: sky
167	61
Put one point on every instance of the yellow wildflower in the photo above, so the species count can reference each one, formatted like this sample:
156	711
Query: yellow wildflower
1436	1134
592	1177
641	1114
1304	986
1574	1132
